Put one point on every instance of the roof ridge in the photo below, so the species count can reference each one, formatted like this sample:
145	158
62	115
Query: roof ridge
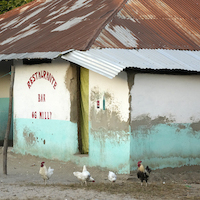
93	38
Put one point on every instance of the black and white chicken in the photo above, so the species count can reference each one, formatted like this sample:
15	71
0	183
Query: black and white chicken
143	173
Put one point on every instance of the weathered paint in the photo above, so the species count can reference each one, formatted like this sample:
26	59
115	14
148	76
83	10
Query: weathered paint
165	127
55	139
110	149
71	86
165	145
53	134
109	137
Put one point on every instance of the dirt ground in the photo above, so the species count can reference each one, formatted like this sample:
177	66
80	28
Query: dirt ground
24	182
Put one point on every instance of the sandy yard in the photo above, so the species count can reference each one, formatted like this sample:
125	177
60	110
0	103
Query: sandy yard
24	182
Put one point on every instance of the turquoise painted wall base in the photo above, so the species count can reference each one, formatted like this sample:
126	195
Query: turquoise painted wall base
52	139
161	146
165	145
110	150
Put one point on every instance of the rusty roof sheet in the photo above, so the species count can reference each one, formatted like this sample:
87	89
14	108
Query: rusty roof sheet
166	24
59	25
54	25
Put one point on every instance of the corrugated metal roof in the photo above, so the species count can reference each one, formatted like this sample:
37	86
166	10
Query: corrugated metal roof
48	55
56	26
109	62
167	24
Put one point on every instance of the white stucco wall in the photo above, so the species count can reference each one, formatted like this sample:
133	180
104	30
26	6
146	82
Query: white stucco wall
109	137
118	90
29	97
173	96
42	125
165	120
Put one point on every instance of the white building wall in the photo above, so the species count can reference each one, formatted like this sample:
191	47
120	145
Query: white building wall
165	120
47	96
109	137
118	91
175	97
42	107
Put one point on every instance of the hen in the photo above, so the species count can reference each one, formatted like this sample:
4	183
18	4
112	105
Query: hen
143	173
84	176
45	174
112	176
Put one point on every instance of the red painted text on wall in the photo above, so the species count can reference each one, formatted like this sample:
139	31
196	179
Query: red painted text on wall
41	98
42	74
41	115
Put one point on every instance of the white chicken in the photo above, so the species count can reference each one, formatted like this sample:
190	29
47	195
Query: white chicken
45	174
112	176
90	179
84	176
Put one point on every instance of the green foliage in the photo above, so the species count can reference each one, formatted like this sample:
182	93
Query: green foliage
6	5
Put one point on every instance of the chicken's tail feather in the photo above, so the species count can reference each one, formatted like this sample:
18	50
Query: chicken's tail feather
84	168
147	169
76	174
50	172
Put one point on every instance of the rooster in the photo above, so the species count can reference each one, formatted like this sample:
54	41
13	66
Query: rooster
84	176
112	176
143	173
45	174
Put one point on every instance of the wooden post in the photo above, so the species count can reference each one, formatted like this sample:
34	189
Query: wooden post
5	144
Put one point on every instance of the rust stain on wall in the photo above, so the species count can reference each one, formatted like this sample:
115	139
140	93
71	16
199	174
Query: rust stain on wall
29	137
71	85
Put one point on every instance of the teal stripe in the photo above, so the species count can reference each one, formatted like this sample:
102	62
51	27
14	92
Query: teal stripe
110	149
165	145
52	139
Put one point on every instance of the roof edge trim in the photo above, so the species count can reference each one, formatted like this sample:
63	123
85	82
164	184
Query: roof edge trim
33	55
